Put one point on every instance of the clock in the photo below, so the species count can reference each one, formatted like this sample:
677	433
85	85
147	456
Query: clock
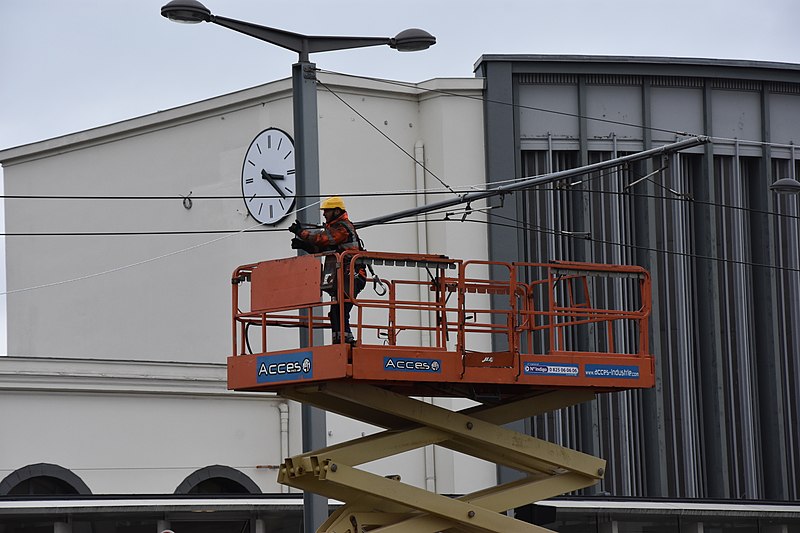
268	176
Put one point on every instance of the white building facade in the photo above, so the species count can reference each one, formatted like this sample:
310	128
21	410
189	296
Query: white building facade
119	317
115	379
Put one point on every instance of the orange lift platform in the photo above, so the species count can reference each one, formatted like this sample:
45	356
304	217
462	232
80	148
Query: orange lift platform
535	338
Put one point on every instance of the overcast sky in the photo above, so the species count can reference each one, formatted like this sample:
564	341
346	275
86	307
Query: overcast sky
71	65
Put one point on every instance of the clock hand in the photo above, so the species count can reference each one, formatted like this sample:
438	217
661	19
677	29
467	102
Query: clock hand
270	178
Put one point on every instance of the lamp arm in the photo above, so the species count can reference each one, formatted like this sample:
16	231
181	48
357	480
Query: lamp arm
302	44
320	43
285	39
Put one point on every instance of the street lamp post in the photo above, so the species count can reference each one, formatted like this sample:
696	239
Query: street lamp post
304	89
306	136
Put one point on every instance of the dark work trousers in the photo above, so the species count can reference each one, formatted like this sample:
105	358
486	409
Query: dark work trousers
358	285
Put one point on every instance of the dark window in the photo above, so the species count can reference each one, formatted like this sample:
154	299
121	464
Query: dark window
42	479
217	479
42	485
218	485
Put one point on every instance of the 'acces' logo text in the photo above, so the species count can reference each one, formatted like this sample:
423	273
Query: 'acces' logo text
284	367
407	364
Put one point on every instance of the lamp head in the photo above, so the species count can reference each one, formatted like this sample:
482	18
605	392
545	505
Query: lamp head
412	40
786	186
187	11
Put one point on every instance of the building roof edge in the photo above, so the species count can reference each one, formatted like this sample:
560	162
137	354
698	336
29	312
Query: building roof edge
644	60
276	89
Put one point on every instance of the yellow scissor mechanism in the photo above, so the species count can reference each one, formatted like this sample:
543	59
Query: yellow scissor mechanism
381	504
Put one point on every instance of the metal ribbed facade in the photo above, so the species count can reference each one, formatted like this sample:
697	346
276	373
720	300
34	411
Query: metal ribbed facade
723	250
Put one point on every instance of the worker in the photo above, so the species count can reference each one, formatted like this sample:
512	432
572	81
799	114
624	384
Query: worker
338	235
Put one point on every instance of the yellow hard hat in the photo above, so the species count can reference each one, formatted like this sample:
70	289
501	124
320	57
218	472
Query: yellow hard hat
332	203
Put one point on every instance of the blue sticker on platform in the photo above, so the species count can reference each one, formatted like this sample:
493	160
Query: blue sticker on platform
407	364
612	371
285	367
530	368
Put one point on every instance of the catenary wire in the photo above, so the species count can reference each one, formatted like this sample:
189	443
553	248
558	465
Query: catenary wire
138	263
365	119
530	227
130	468
639	247
450	189
403	192
548	231
117	269
677	197
218	197
411	85
538	229
388	138
517	226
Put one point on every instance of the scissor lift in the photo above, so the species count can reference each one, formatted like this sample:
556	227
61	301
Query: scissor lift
540	338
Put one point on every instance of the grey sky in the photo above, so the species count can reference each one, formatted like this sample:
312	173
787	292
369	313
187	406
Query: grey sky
71	65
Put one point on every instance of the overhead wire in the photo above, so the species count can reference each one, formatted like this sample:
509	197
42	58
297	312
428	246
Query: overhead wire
229	233
678	196
644	248
450	189
682	197
516	225
365	119
252	229
404	84
137	263
412	85
404	192
116	269
538	229
548	231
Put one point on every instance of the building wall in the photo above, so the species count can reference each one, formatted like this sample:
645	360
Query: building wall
89	314
138	428
720	245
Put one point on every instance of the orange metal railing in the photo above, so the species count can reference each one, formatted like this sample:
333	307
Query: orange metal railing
442	304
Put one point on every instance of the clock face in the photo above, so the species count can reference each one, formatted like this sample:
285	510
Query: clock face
268	178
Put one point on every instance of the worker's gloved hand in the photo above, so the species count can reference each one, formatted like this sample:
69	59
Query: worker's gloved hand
300	244
295	228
